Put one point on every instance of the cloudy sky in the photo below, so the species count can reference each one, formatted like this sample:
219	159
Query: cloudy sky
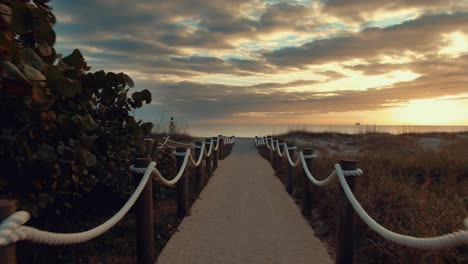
281	62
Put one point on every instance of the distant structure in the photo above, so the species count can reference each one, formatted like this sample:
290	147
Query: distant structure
358	124
172	126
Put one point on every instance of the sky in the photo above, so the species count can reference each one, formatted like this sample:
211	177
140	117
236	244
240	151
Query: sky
304	62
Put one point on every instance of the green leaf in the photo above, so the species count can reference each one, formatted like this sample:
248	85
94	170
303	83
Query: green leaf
33	74
22	18
89	158
146	128
12	71
87	141
111	78
129	81
87	121
48	37
100	78
136	96
60	85
31	58
75	60
146	95
45	152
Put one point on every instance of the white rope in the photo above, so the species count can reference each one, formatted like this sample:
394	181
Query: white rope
200	158
444	241
163	144
280	153
309	175
293	164
12	229
9	228
267	144
180	143
217	144
162	178
208	154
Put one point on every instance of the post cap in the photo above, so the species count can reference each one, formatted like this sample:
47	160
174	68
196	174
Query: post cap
180	150
308	151
348	164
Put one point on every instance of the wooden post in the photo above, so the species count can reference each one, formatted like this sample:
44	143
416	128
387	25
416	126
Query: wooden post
274	157
345	220
307	195
270	154
290	178
8	253
144	216
279	160
222	147
182	185
208	158
199	169
215	153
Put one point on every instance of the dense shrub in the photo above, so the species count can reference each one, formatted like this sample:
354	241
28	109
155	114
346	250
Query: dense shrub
64	128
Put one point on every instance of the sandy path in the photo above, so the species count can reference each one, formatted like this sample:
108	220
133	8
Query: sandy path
244	215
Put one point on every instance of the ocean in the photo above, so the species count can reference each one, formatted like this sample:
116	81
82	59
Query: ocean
264	130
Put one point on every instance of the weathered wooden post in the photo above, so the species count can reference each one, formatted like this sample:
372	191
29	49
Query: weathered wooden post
182	184
279	160
290	178
144	213
215	152
274	157
307	195
8	253
270	154
199	169
345	220
208	158
222	147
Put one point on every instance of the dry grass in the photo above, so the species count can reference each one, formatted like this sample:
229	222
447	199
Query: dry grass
406	188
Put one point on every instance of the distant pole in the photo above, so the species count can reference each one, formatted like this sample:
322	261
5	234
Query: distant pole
182	185
270	154
208	158
290	179
199	169
307	195
144	215
345	220
222	150
274	157
279	160
8	253
172	126
215	152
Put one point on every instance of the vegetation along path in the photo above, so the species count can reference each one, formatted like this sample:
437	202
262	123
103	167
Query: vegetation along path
244	215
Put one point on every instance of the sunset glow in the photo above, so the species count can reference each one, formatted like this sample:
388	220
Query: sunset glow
282	62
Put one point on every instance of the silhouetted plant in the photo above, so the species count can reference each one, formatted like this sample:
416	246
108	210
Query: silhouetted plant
63	127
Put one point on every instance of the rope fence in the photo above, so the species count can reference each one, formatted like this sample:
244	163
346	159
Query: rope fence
346	172
13	228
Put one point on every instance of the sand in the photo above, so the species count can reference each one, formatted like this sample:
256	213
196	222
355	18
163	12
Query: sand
244	215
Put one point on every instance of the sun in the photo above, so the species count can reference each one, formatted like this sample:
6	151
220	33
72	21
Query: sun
432	112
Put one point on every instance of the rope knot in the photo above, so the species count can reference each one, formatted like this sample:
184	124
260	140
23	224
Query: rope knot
357	172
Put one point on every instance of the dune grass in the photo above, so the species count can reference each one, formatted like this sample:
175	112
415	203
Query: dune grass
407	188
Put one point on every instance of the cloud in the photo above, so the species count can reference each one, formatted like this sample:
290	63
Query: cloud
421	35
169	47
363	10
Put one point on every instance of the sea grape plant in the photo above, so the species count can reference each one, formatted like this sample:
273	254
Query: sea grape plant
63	128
